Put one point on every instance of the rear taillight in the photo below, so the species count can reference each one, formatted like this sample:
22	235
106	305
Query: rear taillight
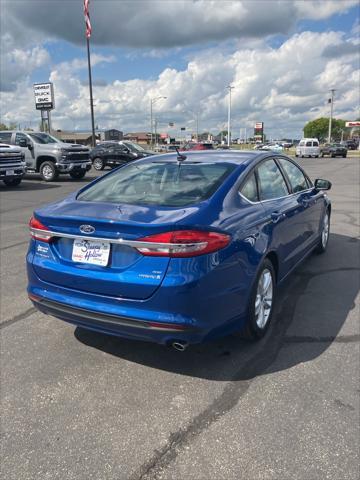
183	243
38	231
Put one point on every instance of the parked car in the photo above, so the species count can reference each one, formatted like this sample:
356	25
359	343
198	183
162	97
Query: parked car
197	146
136	148
113	154
12	165
274	147
308	147
49	156
177	249
110	154
351	144
333	150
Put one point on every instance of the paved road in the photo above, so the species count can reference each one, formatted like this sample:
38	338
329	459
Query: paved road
79	405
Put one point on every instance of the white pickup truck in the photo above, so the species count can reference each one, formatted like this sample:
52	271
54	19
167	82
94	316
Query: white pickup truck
12	165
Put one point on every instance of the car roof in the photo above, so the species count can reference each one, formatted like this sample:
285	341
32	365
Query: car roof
237	157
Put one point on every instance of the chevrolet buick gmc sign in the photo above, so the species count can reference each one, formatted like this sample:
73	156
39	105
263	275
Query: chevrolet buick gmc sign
44	96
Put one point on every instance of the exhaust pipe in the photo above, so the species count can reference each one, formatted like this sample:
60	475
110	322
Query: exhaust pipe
180	346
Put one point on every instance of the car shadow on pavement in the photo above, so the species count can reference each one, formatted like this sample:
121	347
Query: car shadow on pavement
312	307
27	185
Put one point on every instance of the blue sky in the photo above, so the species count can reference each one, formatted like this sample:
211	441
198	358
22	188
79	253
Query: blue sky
281	61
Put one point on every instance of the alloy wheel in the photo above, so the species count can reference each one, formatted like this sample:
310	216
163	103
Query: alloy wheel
325	231
264	298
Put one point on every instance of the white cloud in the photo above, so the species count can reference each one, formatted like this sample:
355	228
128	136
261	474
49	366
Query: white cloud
284	87
17	65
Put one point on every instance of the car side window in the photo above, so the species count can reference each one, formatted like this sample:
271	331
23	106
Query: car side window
308	144
5	137
249	189
18	137
296	177
315	144
271	181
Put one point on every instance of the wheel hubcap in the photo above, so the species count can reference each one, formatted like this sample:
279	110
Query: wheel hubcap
47	171
97	164
264	298
325	232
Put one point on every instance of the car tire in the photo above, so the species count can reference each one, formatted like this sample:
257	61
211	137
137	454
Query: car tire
344	156
98	164
333	156
48	171
12	182
78	174
261	307
325	232
316	156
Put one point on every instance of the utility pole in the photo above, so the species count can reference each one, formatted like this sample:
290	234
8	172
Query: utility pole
229	87
151	122
331	101
152	101
197	127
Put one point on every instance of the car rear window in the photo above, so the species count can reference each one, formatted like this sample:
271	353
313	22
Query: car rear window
159	183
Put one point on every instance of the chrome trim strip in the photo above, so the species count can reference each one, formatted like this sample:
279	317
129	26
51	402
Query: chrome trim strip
277	198
117	241
107	318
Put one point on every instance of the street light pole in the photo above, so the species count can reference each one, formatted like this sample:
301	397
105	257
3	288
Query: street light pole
229	87
331	113
152	101
151	123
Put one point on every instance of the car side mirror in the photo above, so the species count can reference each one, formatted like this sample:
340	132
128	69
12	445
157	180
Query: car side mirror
321	184
22	142
29	145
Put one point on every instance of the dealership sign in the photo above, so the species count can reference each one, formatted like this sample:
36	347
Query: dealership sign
44	96
259	126
352	124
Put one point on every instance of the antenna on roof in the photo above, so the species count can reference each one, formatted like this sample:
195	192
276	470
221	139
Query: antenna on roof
180	156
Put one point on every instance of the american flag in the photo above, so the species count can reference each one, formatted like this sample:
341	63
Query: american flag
87	18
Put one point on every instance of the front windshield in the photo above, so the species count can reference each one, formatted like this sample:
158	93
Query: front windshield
43	138
134	147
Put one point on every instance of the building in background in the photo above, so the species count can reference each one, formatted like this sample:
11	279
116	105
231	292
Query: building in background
81	138
138	137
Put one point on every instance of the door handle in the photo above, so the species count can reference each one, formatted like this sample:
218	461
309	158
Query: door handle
277	216
305	202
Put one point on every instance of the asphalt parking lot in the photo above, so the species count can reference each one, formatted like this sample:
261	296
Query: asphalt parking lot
80	405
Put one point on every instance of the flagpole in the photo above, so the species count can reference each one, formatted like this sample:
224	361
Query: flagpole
93	141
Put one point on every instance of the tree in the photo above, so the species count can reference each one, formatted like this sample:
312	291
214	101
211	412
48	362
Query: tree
12	126
319	128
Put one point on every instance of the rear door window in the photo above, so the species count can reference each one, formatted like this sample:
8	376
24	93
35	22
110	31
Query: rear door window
159	183
271	181
309	144
315	144
249	189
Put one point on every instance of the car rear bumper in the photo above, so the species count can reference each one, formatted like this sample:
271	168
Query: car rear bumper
191	313
119	325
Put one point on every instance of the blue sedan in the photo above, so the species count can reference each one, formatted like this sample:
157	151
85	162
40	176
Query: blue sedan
177	249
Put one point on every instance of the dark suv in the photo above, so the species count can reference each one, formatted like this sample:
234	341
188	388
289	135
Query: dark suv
333	150
114	154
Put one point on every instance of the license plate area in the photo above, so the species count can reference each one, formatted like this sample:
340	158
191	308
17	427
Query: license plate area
94	252
10	172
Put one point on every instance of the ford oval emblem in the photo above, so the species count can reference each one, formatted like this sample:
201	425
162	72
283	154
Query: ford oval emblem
87	229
